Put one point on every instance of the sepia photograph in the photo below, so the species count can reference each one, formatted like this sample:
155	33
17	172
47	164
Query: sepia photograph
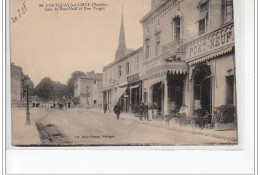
123	73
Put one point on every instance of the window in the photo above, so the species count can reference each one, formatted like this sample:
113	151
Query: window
137	63
95	81
228	11
157	43
127	68
203	21
95	101
147	49
176	28
120	71
230	89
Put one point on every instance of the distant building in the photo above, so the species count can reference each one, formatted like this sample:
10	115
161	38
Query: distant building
122	78
16	85
88	90
122	81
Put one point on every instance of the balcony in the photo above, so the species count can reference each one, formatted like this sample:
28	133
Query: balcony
160	64
174	47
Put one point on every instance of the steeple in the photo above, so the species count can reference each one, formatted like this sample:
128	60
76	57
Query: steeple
121	50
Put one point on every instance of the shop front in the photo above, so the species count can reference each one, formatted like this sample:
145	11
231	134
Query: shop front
135	92
211	62
165	84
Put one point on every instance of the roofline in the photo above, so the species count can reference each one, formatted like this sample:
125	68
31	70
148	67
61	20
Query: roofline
152	11
123	58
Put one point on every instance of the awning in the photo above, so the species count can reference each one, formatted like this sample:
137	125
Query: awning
214	55
136	86
118	94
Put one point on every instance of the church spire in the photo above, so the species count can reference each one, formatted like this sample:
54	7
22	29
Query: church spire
121	51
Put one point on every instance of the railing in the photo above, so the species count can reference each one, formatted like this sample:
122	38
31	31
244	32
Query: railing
159	63
174	47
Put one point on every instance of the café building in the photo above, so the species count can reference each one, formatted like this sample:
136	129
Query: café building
189	56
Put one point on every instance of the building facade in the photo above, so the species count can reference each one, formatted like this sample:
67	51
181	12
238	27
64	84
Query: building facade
189	56
16	85
123	77
122	81
88	90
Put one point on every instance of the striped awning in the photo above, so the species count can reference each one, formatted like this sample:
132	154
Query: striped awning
118	94
210	56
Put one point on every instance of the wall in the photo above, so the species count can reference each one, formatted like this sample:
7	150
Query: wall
16	84
223	64
189	12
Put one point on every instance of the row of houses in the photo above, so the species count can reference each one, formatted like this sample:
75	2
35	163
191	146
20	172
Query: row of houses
187	58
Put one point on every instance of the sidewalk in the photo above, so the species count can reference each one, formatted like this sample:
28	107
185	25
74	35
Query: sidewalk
227	135
23	134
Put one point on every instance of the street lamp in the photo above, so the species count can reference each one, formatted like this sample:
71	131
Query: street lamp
87	98
28	121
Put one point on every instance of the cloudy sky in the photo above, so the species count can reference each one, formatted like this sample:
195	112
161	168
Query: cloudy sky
56	43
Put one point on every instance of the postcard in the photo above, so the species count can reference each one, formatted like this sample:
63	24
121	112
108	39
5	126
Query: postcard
123	73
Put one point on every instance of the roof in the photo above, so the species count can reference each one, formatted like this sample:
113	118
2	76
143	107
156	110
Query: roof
123	58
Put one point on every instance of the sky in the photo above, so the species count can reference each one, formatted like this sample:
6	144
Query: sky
56	43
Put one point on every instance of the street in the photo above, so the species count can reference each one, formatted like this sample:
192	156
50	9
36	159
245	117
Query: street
85	127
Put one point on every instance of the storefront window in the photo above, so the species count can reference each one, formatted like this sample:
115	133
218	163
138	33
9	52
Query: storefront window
230	89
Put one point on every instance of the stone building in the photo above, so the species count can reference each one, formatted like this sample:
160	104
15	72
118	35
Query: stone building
122	79
189	56
88	90
16	85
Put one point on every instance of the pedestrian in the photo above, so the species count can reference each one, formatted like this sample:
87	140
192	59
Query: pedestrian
141	110
146	117
105	106
117	110
109	108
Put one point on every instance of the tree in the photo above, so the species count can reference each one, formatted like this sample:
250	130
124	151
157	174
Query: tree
70	82
51	90
45	89
26	79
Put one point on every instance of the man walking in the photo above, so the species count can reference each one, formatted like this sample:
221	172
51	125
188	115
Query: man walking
105	106
146	117
117	110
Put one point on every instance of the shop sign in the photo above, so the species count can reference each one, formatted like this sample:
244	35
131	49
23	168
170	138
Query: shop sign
112	81
213	41
133	78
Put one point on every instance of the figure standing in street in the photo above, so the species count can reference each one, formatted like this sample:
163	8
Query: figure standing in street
117	110
146	117
141	110
105	106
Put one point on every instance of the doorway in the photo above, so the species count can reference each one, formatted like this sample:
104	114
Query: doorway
202	88
158	95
